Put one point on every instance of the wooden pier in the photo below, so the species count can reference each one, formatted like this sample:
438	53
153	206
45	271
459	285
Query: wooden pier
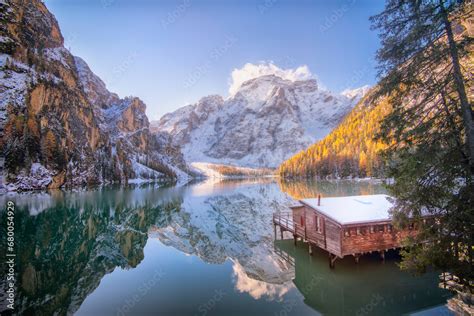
343	226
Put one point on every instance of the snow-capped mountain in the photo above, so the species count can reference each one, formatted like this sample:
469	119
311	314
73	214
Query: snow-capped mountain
127	125
267	120
232	222
60	125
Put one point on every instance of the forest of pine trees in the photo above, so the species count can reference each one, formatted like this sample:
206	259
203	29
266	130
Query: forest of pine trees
348	151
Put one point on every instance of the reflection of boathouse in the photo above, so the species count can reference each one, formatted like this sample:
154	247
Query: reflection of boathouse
351	225
367	288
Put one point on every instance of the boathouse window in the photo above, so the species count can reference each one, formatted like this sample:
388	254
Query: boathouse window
389	227
358	231
380	228
371	229
347	232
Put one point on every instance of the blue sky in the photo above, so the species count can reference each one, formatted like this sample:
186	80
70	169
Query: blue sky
171	53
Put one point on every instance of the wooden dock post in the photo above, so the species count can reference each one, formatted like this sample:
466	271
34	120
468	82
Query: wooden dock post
281	232
310	249
332	260
295	239
382	255
356	257
275	230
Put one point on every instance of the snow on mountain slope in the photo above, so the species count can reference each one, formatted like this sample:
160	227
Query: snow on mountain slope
356	93
266	120
231	223
60	125
151	156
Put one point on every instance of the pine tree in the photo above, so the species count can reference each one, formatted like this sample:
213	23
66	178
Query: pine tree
429	133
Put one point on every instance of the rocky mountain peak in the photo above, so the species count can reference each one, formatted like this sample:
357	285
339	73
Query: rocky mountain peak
61	125
356	93
258	90
266	119
32	24
209	103
93	86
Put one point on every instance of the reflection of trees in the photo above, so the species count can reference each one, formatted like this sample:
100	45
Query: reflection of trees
303	189
64	251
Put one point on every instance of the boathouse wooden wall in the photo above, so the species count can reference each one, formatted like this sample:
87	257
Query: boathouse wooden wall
318	229
363	239
349	239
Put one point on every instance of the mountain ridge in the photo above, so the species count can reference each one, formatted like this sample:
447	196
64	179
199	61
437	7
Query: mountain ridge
264	122
61	127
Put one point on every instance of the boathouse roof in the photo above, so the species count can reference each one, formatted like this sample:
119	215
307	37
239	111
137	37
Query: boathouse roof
353	209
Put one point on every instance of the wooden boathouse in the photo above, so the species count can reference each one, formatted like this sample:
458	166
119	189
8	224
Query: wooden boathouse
350	225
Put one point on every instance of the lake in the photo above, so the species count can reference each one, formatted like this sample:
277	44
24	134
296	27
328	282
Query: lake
201	249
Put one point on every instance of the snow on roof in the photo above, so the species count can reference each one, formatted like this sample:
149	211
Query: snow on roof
353	209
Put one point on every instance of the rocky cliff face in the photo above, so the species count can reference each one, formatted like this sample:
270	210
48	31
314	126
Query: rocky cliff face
60	125
265	122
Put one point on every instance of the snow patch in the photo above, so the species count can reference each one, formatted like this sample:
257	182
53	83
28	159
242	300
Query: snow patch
57	54
36	178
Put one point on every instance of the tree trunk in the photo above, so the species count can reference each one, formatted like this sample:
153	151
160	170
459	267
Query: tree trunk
460	88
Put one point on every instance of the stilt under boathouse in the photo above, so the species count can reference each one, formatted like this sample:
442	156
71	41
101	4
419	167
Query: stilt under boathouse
350	225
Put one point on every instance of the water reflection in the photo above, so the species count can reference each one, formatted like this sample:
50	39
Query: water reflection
70	240
83	244
256	288
371	287
303	189
231	222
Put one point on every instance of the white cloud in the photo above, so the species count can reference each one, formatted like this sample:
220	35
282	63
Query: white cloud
250	71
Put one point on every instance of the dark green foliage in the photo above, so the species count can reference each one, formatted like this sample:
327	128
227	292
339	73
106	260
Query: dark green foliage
58	248
428	131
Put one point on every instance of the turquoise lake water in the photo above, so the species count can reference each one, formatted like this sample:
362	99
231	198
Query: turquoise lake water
201	249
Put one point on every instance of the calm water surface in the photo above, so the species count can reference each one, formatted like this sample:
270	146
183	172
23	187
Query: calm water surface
201	249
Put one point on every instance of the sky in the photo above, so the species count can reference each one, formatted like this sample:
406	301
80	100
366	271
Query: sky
172	53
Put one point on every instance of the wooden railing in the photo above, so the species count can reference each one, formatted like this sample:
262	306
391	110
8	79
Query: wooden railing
285	220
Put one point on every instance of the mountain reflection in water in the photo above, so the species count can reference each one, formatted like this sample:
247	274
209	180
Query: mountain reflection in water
205	248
